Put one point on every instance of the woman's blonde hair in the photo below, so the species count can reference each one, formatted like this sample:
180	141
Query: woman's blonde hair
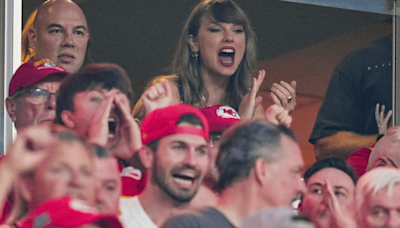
27	53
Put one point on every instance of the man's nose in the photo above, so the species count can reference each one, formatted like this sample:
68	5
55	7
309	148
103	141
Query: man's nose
68	40
190	157
51	102
301	186
393	220
76	179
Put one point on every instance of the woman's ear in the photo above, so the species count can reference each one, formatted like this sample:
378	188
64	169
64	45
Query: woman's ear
192	41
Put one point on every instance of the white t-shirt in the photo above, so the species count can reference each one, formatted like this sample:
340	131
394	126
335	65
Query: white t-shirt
133	214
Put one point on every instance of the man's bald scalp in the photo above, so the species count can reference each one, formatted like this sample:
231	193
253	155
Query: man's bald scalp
44	10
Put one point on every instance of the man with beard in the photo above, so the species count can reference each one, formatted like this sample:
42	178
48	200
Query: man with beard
260	167
175	154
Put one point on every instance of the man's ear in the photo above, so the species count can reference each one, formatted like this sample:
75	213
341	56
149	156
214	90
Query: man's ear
261	171
146	156
32	38
382	161
192	41
11	107
68	119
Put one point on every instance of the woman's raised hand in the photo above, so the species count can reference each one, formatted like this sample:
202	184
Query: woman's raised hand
284	94
157	96
250	101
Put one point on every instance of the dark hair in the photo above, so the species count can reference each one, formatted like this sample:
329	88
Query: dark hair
190	119
330	162
187	118
241	145
102	152
104	75
188	68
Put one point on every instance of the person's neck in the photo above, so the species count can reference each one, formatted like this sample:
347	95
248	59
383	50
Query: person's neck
158	205
215	85
240	201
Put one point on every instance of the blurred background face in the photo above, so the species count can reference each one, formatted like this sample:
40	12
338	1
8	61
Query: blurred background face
108	185
28	113
380	209
314	205
68	171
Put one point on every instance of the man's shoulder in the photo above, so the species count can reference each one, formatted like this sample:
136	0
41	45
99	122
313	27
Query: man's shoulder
132	214
129	203
209	217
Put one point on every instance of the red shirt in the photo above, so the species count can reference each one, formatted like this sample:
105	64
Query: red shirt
359	160
133	180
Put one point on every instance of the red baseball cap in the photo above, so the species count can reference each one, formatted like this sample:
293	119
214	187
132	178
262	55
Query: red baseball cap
67	212
220	116
164	121
32	72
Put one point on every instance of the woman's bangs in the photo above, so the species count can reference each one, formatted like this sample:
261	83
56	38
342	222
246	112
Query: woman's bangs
226	12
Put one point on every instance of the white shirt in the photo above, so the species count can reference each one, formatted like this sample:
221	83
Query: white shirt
133	214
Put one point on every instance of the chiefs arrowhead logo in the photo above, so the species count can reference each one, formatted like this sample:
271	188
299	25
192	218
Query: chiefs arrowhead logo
227	112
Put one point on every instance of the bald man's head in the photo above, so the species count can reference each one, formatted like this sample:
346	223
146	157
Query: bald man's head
386	151
60	33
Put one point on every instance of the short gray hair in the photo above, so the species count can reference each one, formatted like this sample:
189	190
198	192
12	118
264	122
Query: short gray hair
374	181
241	145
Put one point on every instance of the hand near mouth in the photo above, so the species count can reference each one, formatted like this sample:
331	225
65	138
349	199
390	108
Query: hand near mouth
277	115
130	138
157	96
339	219
250	101
284	94
98	130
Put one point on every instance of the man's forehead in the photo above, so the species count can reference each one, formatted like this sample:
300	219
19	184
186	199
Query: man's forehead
292	149
335	177
190	139
383	198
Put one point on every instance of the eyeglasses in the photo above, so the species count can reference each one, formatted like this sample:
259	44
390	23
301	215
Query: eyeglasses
34	96
214	139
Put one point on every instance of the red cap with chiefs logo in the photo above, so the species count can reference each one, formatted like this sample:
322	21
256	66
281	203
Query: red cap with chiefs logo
67	212
32	72
220	116
164	121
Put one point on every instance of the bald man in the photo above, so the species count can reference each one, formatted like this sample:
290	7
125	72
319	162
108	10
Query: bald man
60	34
386	151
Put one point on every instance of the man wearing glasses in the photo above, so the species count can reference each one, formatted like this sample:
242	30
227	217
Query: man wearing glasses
31	97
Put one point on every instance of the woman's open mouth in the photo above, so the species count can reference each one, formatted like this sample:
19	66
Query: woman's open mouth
226	56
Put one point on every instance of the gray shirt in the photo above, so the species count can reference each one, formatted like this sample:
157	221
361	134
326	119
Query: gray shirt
207	218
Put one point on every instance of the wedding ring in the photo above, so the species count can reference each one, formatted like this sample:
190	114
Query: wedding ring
289	99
